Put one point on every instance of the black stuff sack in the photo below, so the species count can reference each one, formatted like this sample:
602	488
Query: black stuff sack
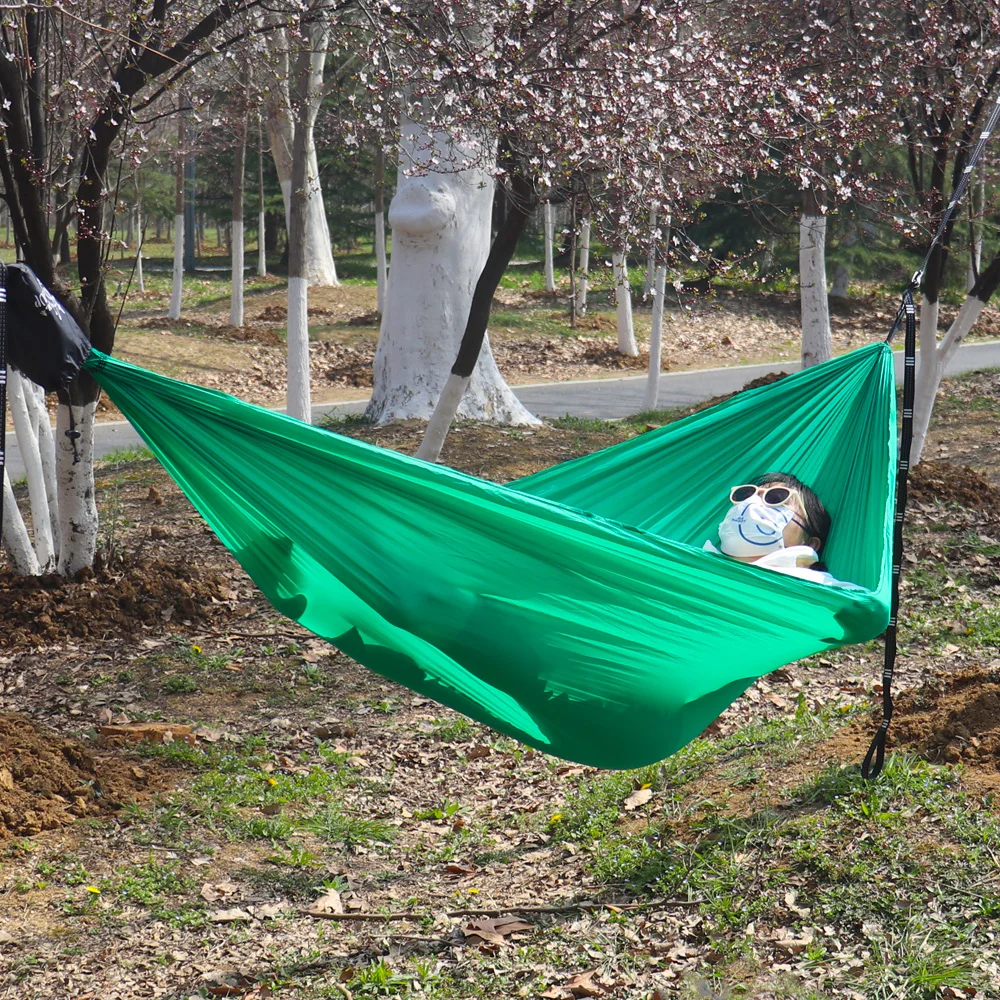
44	343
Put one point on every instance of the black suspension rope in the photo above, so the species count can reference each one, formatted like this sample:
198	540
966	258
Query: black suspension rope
906	316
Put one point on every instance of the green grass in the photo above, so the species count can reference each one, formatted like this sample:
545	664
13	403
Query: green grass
123	456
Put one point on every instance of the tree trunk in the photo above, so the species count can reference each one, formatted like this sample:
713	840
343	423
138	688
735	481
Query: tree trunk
474	336
934	357
841	281
174	312
239	168
623	303
261	216
655	340
647	285
548	229
380	268
308	79
817	341
440	244
140	277
977	205
25	428
581	281
282	126
16	542
77	506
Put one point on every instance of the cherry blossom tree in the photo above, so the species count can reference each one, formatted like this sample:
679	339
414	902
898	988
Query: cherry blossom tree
627	103
110	66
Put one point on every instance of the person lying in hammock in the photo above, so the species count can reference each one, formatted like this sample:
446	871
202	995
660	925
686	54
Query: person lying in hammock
778	523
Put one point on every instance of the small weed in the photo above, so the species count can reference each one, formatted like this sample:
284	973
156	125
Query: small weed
180	684
457	731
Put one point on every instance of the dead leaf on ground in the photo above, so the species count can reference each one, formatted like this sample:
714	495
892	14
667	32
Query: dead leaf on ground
493	930
583	984
233	916
638	798
329	902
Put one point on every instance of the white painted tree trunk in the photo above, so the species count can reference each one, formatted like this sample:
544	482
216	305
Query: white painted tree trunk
548	231
650	279
281	126
817	341
976	250
841	282
27	442
261	249
140	278
655	339
16	541
47	453
381	275
584	271
174	312
77	506
933	360
440	242
236	294
623	304
299	399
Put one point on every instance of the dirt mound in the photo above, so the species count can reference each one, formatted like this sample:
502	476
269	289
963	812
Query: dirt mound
47	781
946	483
952	718
41	609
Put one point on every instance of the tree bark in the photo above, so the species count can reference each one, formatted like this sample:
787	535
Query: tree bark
440	243
380	262
623	304
584	273
934	356
474	336
177	290
548	229
817	341
239	169
655	339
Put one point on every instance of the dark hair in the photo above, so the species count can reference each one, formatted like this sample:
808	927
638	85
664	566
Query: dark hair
817	518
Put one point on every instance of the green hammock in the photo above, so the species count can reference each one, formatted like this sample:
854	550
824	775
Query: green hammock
575	609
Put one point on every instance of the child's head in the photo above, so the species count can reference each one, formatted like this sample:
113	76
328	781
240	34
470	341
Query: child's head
773	511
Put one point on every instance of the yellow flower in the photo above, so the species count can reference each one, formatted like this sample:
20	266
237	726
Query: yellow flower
647	785
556	817
473	892
94	890
272	781
196	649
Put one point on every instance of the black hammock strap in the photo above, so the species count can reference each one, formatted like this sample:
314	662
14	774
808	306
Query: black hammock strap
871	767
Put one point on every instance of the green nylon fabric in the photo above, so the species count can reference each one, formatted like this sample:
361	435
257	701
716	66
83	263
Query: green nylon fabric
575	609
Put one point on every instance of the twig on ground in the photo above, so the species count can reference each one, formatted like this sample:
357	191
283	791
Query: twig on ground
514	908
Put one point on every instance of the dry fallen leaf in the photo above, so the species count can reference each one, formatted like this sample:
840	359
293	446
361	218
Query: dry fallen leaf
638	798
493	930
329	902
235	915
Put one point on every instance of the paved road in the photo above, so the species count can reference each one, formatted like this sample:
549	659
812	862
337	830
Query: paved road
607	398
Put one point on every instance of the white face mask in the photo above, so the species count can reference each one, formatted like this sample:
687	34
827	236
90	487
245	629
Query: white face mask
754	529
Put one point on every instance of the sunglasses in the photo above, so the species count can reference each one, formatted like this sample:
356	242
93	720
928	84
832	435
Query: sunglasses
773	496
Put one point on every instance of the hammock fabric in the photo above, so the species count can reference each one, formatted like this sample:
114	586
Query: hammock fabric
573	610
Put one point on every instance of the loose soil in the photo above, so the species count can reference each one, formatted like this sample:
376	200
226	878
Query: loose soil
47	780
954	718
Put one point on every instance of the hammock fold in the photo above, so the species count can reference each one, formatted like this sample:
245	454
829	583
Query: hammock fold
574	609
